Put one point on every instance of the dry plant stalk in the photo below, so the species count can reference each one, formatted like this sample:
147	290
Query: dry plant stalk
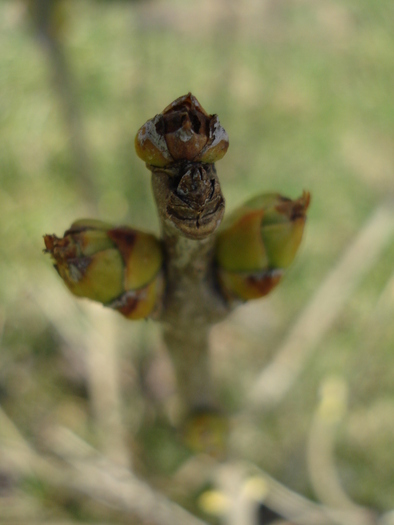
49	19
196	273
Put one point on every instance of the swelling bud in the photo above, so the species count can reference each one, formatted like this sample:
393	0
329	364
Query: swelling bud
117	266
257	243
182	132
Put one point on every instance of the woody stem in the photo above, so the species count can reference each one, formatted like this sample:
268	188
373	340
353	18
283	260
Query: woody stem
192	304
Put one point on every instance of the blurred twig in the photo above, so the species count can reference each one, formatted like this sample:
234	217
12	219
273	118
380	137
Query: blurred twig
45	521
104	384
277	378
381	317
245	486
80	468
321	454
300	510
98	350
48	17
2	322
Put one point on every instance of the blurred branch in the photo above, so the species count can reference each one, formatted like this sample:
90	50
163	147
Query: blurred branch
103	380
2	323
54	522
321	455
299	510
317	318
240	507
245	486
373	331
48	17
80	468
97	349
241	487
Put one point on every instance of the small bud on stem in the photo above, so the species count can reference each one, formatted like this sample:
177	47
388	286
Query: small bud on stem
259	241
119	267
183	132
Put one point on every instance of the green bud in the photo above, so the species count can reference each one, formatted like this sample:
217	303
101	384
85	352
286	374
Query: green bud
257	243
206	431
119	267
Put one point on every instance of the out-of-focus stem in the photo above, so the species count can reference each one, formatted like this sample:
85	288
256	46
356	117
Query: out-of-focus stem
190	357
43	20
80	469
103	380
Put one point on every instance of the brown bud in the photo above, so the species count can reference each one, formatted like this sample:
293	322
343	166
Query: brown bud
184	131
190	198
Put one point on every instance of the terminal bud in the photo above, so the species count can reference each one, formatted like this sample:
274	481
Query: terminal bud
182	132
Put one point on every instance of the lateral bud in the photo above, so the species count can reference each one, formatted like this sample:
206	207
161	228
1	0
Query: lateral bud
206	430
258	243
117	266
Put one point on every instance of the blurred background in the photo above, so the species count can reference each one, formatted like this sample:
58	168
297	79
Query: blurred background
304	89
